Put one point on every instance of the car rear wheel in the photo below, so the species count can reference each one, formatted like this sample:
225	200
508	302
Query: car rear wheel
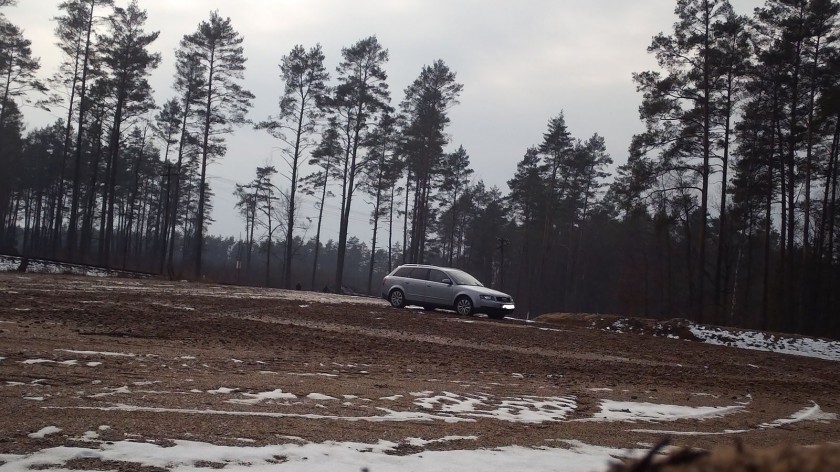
464	306
397	298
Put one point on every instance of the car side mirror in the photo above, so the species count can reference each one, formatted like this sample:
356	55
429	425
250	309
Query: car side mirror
447	281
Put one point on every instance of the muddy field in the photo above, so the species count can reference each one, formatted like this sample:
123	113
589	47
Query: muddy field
159	361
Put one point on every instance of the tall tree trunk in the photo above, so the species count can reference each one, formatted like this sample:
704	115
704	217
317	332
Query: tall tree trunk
132	198
199	225
405	218
59	207
375	228
88	215
391	227
789	306
114	152
806	274
320	220
5	193
345	216
104	212
179	165
704	196
722	230
77	165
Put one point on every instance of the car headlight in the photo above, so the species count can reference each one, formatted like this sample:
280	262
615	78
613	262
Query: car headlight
486	297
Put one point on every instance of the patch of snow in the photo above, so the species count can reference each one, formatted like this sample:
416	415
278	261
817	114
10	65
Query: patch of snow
526	409
43	432
254	398
177	307
642	411
319	396
36	361
316	374
223	390
420	442
113	391
93	364
799	346
37	399
190	456
98	353
388	416
690	433
392	397
809	413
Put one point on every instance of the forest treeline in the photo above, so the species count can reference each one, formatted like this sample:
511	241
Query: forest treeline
724	211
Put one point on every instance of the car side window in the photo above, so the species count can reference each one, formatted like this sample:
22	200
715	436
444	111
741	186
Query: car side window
403	272
436	276
418	273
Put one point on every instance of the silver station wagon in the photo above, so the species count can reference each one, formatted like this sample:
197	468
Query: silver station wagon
442	287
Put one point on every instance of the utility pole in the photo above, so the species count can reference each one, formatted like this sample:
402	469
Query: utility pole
502	243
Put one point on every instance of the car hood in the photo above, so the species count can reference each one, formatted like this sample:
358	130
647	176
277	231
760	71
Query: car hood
485	291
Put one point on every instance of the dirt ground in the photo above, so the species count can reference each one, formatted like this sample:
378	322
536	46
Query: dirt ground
157	360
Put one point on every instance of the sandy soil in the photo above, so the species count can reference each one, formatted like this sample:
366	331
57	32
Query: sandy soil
157	360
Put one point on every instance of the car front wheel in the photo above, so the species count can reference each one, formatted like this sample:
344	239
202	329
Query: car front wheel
397	299
464	306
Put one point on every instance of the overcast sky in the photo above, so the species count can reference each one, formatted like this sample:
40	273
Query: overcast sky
521	62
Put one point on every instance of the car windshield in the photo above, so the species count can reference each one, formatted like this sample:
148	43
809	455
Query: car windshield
463	278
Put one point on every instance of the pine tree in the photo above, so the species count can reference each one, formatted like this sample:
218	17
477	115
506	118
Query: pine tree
127	63
380	178
301	108
75	33
453	185
189	83
361	94
425	112
218	49
168	129
326	156
679	111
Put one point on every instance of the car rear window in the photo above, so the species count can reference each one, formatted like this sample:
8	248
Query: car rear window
419	273
403	272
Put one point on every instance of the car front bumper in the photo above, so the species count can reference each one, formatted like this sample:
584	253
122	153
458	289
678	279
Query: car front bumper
495	308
